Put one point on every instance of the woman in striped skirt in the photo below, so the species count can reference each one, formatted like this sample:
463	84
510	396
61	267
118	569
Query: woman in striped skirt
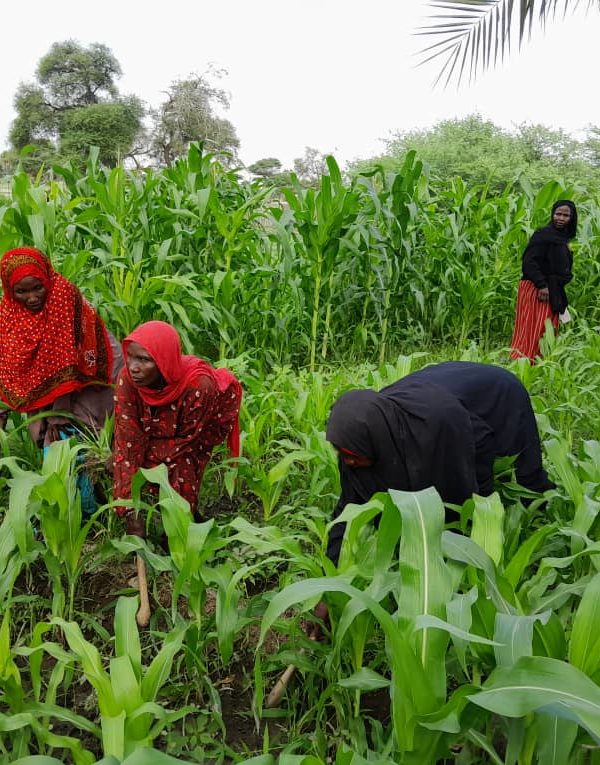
547	264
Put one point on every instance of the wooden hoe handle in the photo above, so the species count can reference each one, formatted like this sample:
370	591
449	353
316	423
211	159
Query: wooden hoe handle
282	683
283	680
143	615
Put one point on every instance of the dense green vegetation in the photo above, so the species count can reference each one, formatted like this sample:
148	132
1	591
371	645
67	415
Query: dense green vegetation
469	647
480	152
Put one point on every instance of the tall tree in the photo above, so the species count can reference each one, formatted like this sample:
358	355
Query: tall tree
270	170
75	104
310	167
266	168
189	114
471	35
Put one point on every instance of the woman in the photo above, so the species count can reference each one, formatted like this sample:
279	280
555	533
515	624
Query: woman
169	409
442	426
55	352
547	264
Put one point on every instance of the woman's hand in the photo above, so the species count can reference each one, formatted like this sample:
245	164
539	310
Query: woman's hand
135	525
543	295
313	629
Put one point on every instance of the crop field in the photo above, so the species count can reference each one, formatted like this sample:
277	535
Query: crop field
474	642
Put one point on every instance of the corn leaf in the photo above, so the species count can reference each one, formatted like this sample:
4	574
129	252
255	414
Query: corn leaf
584	646
536	684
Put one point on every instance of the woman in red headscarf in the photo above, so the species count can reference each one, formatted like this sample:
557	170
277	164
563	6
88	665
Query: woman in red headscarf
170	409
55	352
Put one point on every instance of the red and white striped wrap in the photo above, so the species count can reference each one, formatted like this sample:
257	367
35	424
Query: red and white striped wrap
530	323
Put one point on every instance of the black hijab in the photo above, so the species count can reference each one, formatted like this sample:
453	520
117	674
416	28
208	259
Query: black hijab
441	426
417	435
571	228
547	260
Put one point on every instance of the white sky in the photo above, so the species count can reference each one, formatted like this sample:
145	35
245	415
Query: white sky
338	75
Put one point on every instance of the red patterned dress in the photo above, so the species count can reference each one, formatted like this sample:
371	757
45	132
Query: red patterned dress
199	409
58	358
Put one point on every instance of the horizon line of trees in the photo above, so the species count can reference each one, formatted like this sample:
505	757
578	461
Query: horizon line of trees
74	104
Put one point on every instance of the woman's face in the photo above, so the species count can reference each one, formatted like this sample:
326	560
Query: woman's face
354	460
30	293
357	461
561	216
142	367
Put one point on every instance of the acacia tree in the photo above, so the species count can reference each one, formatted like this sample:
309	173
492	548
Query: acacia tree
74	104
471	35
271	171
188	114
310	167
265	168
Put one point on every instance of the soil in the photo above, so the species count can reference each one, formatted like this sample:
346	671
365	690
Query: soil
376	704
97	592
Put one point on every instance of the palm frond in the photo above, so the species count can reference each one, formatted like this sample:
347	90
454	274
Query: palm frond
472	35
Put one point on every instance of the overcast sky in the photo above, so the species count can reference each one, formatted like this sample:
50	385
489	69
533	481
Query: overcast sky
338	75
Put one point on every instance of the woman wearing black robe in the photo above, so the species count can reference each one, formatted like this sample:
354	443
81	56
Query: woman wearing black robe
547	267
442	426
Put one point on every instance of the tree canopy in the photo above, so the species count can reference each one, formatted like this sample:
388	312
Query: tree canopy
189	114
74	104
311	166
479	151
266	167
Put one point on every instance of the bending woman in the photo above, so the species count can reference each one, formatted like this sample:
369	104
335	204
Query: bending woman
442	426
55	352
547	264
170	409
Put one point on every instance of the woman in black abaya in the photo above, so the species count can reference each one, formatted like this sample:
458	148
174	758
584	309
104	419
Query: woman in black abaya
442	426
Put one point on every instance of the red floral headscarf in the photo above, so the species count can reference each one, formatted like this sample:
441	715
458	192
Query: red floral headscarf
60	349
163	344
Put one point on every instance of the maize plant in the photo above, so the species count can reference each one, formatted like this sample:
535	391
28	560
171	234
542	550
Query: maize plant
130	717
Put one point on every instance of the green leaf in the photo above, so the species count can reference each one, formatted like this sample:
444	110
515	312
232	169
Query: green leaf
488	525
124	684
433	622
411	692
555	739
536	684
514	634
127	638
522	558
459	614
584	646
364	680
561	458
426	583
152	757
91	664
481	741
447	717
463	549
282	468
158	671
